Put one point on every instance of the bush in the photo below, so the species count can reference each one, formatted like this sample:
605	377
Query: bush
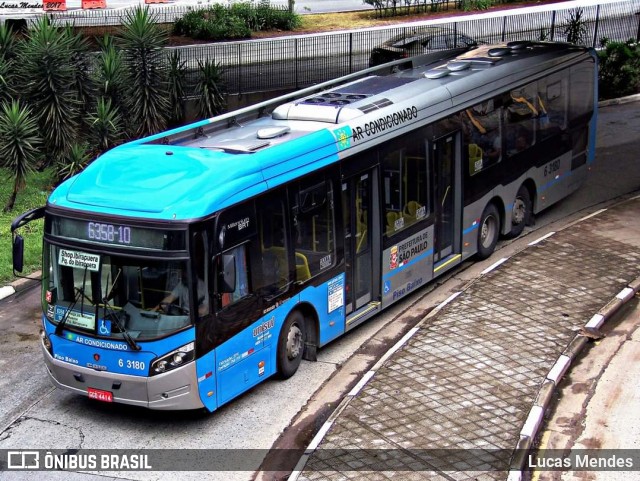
235	22
469	5
274	18
619	73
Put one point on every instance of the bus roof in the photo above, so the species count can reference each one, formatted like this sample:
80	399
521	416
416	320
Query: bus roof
193	171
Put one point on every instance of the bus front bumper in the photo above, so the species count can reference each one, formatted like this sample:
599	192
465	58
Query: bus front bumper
173	390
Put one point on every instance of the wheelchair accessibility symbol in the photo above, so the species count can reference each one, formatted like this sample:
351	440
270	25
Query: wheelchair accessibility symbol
104	329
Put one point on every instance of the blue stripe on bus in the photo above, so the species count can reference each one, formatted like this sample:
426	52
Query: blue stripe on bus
406	266
551	183
473	227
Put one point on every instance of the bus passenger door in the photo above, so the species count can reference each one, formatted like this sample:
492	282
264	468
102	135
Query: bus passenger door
362	246
445	158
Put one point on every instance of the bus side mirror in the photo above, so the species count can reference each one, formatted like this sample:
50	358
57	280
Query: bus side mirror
18	253
227	281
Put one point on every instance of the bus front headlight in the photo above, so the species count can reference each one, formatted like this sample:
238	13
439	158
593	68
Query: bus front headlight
173	360
46	342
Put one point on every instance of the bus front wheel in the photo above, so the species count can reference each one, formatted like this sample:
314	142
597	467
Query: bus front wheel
291	345
489	231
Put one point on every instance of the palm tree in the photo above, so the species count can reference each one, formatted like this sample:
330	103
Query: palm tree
7	71
177	80
74	160
6	91
48	84
8	42
105	126
81	64
210	89
146	76
19	145
110	75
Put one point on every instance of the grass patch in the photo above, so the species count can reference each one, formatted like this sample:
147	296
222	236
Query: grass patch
34	195
323	22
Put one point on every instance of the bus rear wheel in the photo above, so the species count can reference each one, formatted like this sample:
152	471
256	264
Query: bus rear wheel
521	212
488	232
291	345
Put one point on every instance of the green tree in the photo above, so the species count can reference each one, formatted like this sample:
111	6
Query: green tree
19	145
146	76
6	89
105	126
110	75
8	42
177	80
74	160
575	29
48	83
209	89
80	60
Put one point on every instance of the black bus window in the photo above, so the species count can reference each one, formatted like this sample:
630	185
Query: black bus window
240	289
405	183
483	127
581	97
314	227
522	113
270	252
553	104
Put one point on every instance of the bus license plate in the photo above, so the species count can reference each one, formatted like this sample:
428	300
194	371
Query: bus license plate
99	395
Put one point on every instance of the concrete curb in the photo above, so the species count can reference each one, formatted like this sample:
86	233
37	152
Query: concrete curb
536	415
6	291
619	101
19	284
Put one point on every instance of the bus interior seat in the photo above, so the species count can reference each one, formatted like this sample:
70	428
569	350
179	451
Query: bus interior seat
302	267
392	217
275	257
411	210
475	158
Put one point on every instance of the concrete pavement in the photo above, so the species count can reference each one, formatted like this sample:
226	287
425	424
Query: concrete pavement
464	394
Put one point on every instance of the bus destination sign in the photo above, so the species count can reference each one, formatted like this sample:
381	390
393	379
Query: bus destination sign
117	234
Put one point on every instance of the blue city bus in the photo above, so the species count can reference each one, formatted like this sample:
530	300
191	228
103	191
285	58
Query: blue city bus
181	269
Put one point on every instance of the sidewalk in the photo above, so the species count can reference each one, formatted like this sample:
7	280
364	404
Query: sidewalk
598	403
471	383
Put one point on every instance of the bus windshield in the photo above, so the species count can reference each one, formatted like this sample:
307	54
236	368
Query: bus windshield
114	296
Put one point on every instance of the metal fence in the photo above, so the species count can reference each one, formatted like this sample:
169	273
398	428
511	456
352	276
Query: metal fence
299	61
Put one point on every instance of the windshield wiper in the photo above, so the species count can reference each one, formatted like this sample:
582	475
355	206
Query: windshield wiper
108	310
79	294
